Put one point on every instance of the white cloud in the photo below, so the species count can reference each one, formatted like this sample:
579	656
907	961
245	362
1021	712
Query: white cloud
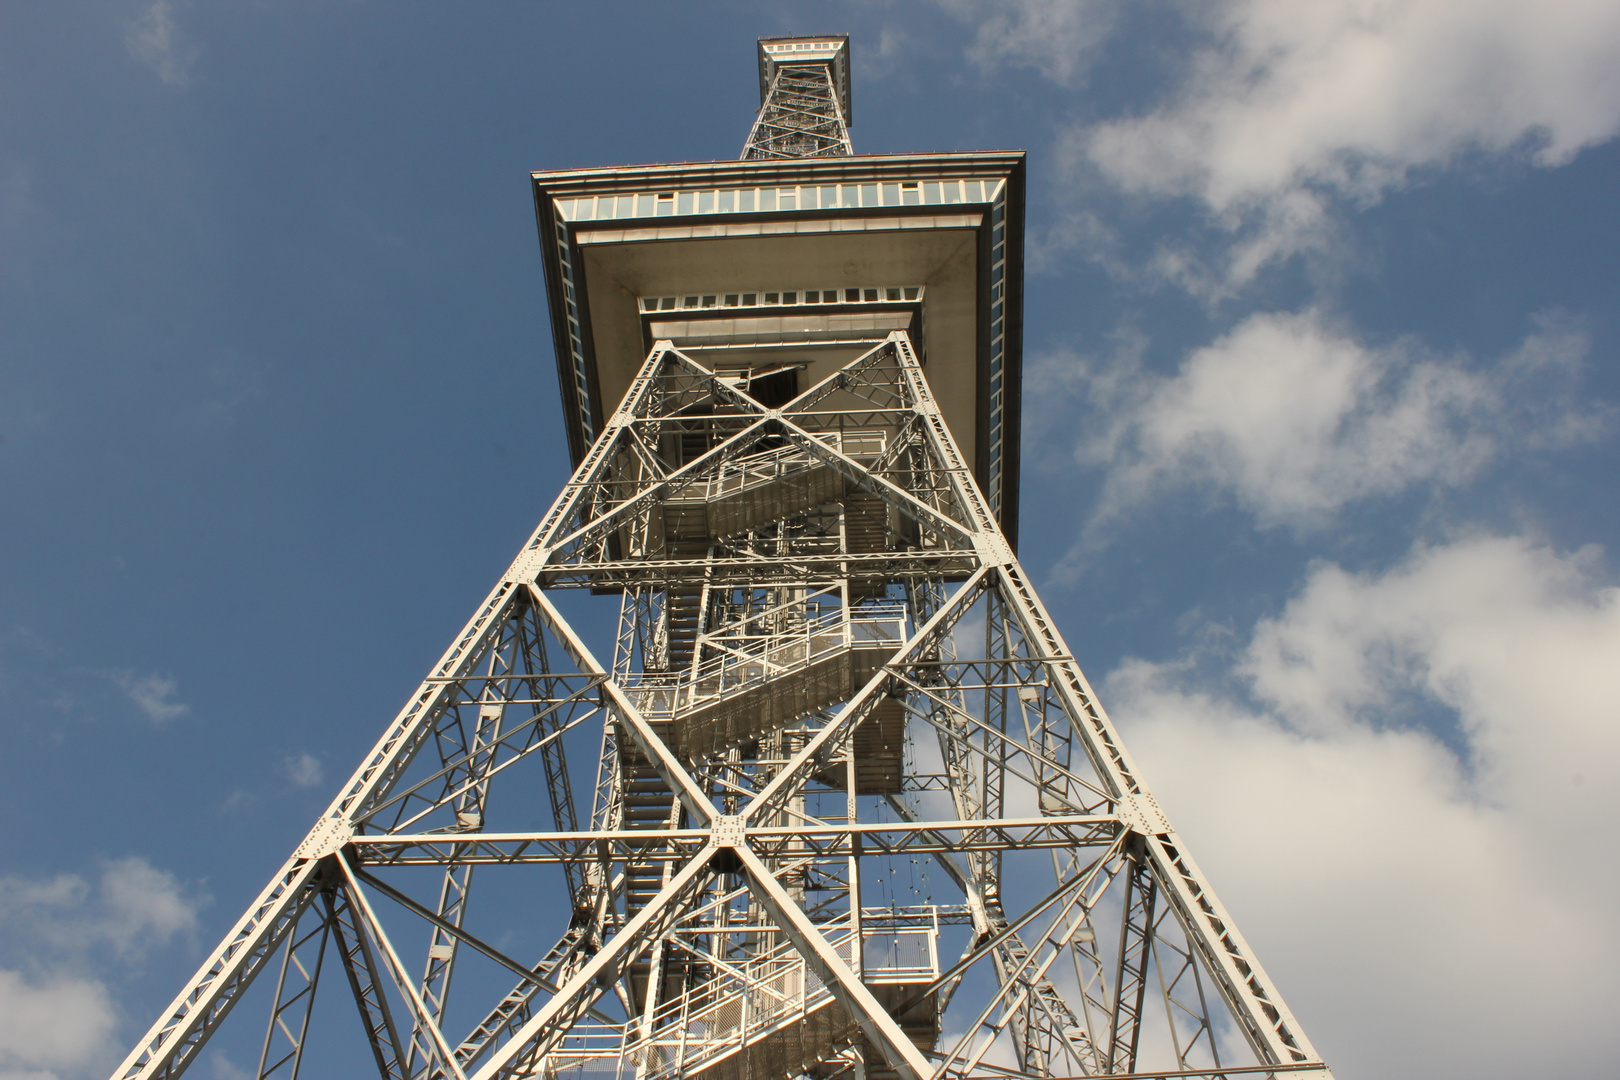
1292	106
156	41
304	770
55	1021
1056	37
132	908
153	694
223	1068
142	905
1447	903
1293	418
52	1026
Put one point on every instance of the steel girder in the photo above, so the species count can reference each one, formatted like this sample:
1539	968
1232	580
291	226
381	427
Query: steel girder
800	117
829	666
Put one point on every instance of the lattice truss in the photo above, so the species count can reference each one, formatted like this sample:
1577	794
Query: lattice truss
801	116
856	812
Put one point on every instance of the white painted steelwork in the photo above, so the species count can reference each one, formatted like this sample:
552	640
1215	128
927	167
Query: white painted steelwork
833	694
804	99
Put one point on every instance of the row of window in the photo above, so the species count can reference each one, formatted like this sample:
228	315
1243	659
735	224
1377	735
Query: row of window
768	199
789	297
803	46
576	348
998	325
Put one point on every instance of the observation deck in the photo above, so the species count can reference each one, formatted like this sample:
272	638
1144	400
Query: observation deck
778	272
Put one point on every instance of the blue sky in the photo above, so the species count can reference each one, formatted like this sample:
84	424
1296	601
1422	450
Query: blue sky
1322	409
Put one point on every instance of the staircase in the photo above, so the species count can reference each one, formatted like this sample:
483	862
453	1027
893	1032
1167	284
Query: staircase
728	679
866	523
516	1007
783	1023
920	1023
880	752
683	607
732	699
866	532
646	803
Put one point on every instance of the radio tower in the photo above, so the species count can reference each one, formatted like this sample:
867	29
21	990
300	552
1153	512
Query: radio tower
857	812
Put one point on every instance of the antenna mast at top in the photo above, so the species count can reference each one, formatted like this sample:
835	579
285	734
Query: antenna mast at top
803	99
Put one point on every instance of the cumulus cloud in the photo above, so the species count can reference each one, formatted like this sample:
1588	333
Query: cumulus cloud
52	1026
159	43
1397	882
223	1068
54	1019
1293	418
130	908
153	694
304	770
1056	37
1289	108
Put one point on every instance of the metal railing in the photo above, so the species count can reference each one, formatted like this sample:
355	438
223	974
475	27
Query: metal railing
740	662
736	1007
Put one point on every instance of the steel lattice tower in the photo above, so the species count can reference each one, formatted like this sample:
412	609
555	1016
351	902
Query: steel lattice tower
804	101
856	810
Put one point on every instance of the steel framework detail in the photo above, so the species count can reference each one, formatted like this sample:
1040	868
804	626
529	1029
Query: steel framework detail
801	116
857	812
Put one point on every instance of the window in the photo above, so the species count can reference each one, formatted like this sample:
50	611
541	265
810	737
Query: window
808	296
666	204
